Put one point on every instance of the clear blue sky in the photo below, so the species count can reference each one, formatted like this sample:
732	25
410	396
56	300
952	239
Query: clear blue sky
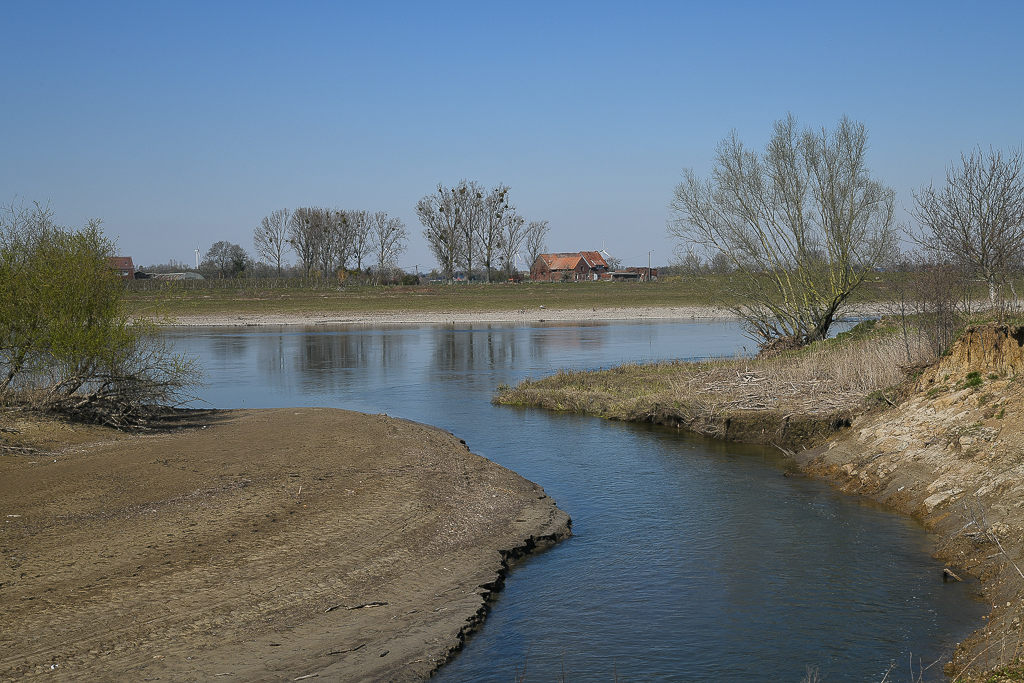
179	123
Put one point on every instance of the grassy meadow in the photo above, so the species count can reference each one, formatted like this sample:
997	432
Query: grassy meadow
310	297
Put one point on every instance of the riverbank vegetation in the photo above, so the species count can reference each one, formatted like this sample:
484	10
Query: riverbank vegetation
791	399
67	343
802	226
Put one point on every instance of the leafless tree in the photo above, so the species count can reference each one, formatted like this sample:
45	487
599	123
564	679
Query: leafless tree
304	236
467	224
469	198
441	218
803	225
490	230
515	234
334	241
687	261
226	259
720	263
928	297
536	234
271	238
359	227
977	219
388	236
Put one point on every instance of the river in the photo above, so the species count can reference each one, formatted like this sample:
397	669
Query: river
691	559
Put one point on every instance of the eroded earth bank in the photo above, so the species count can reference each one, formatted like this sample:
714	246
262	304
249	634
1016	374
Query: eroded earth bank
951	452
262	545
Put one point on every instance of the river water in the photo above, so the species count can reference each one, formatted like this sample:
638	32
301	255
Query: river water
691	560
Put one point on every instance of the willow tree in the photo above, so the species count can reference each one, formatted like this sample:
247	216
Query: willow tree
803	224
67	341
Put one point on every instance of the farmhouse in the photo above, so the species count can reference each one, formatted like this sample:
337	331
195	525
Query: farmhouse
569	267
123	266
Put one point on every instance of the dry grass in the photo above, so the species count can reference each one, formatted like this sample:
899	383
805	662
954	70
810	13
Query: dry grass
816	383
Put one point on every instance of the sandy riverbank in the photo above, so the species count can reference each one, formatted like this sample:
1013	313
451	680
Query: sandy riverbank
532	315
261	545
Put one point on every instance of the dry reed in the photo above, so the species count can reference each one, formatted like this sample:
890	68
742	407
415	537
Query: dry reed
825	378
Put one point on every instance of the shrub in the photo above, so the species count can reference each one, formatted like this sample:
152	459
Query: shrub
65	337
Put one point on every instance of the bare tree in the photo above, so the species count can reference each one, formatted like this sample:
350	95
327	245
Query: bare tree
721	264
467	224
226	259
515	234
304	236
803	225
490	230
271	238
388	236
469	201
977	219
536	234
359	227
926	296
687	261
334	240
440	216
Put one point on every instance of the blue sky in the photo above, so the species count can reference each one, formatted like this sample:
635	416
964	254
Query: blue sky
179	123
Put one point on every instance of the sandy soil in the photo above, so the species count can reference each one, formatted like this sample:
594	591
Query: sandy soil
265	545
523	315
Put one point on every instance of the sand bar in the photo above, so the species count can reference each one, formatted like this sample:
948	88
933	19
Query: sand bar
262	545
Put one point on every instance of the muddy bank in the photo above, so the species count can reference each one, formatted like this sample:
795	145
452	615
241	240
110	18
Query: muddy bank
259	545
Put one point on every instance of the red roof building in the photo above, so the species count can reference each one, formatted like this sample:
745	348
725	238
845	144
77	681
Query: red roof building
123	266
569	267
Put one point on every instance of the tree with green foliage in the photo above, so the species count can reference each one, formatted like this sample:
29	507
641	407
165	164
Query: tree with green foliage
66	340
802	225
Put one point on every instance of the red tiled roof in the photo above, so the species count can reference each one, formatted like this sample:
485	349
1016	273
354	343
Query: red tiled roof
120	262
594	259
569	261
562	261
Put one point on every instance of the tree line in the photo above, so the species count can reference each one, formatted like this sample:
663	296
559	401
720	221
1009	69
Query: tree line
471	228
330	241
802	225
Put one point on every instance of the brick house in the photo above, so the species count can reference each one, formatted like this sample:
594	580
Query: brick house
123	266
569	267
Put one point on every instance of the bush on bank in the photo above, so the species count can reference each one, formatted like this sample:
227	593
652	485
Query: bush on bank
67	343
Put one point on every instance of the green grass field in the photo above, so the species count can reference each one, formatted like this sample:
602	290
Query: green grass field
267	298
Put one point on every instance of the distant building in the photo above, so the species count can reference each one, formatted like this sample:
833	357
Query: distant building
123	266
569	267
634	275
176	276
